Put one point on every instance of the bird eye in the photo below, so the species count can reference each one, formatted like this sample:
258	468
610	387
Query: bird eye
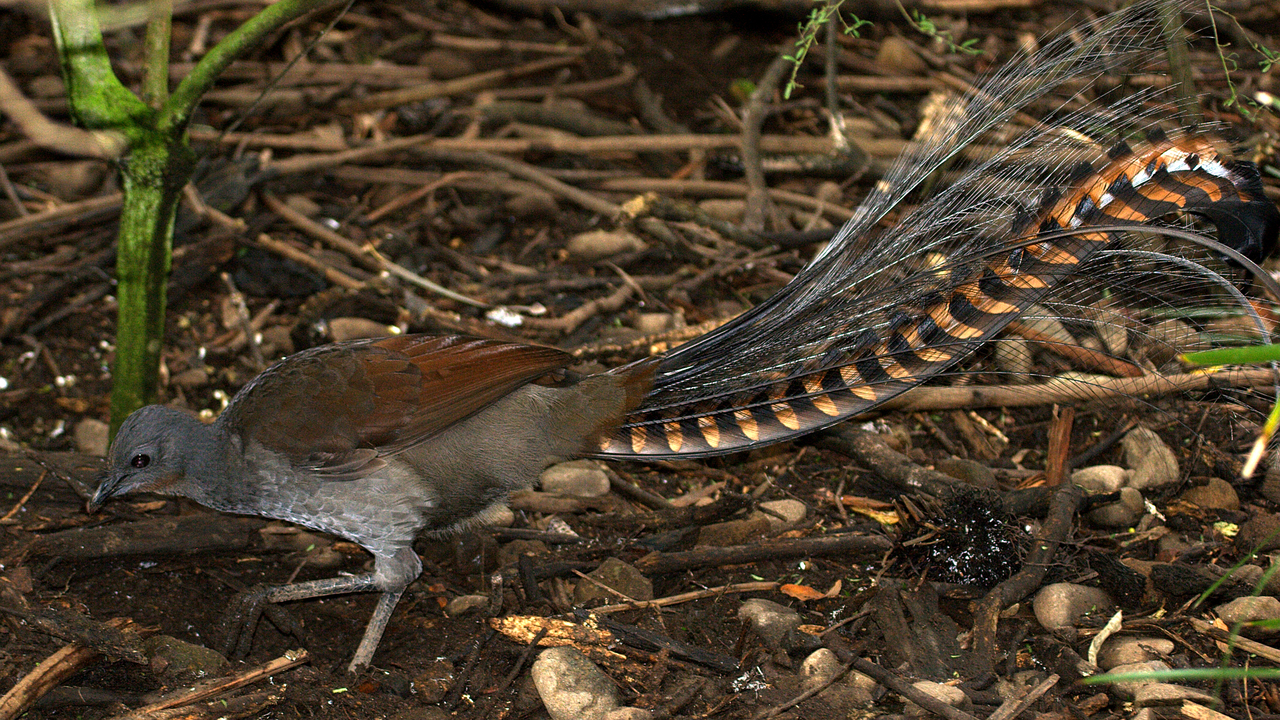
140	461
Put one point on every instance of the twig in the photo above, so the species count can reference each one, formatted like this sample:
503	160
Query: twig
242	318
690	596
23	501
752	121
205	690
777	710
53	222
68	139
470	83
570	321
365	256
1063	507
50	673
1066	390
1013	707
896	683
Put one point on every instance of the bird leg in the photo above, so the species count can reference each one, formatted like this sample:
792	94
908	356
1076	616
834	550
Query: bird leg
242	617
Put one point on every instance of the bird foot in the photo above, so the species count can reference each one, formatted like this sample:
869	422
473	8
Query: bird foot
240	621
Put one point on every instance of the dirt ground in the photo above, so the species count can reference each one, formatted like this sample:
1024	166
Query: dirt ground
490	232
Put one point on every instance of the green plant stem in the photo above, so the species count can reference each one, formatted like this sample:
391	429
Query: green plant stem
177	112
155	83
99	101
153	179
155	167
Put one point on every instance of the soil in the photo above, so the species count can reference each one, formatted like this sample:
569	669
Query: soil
506	243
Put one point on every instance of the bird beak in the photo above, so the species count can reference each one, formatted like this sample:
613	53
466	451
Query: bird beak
107	487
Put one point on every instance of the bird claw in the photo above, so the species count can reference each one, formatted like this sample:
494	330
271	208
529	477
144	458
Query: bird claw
240	621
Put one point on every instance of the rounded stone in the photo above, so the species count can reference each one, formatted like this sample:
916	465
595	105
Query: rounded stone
576	478
1125	650
771	621
1249	609
92	437
1151	463
1217	494
571	686
1061	605
819	668
791	512
600	244
1100	479
1125	512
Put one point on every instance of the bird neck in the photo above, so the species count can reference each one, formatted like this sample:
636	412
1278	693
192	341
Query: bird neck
209	475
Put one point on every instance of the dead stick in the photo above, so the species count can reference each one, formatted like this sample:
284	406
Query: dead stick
208	689
661	563
469	83
763	586
898	684
1055	466
49	674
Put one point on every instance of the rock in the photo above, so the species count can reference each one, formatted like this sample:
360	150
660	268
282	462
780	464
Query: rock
629	713
195	377
1013	356
1127	690
1125	650
1260	533
357	328
532	205
1100	479
1062	604
446	63
615	574
734	532
1041	324
819	668
1151	463
1156	694
92	437
576	478
1170	337
896	55
176	659
771	621
1217	494
1255	577
510	553
949	694
601	244
73	179
464	604
653	323
792	512
571	686
727	210
969	472
1125	512
46	86
1249	609
432	682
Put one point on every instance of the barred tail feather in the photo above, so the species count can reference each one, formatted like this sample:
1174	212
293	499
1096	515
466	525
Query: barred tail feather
872	317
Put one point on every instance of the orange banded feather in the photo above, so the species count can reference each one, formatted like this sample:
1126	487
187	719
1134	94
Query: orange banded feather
864	367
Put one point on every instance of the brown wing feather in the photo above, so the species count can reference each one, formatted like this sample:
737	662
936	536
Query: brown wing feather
339	408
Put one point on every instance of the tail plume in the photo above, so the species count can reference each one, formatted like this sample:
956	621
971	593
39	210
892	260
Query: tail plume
1032	234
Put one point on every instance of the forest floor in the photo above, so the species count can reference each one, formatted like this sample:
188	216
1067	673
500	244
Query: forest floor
532	131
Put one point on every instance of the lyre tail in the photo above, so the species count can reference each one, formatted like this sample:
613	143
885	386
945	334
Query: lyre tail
924	335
